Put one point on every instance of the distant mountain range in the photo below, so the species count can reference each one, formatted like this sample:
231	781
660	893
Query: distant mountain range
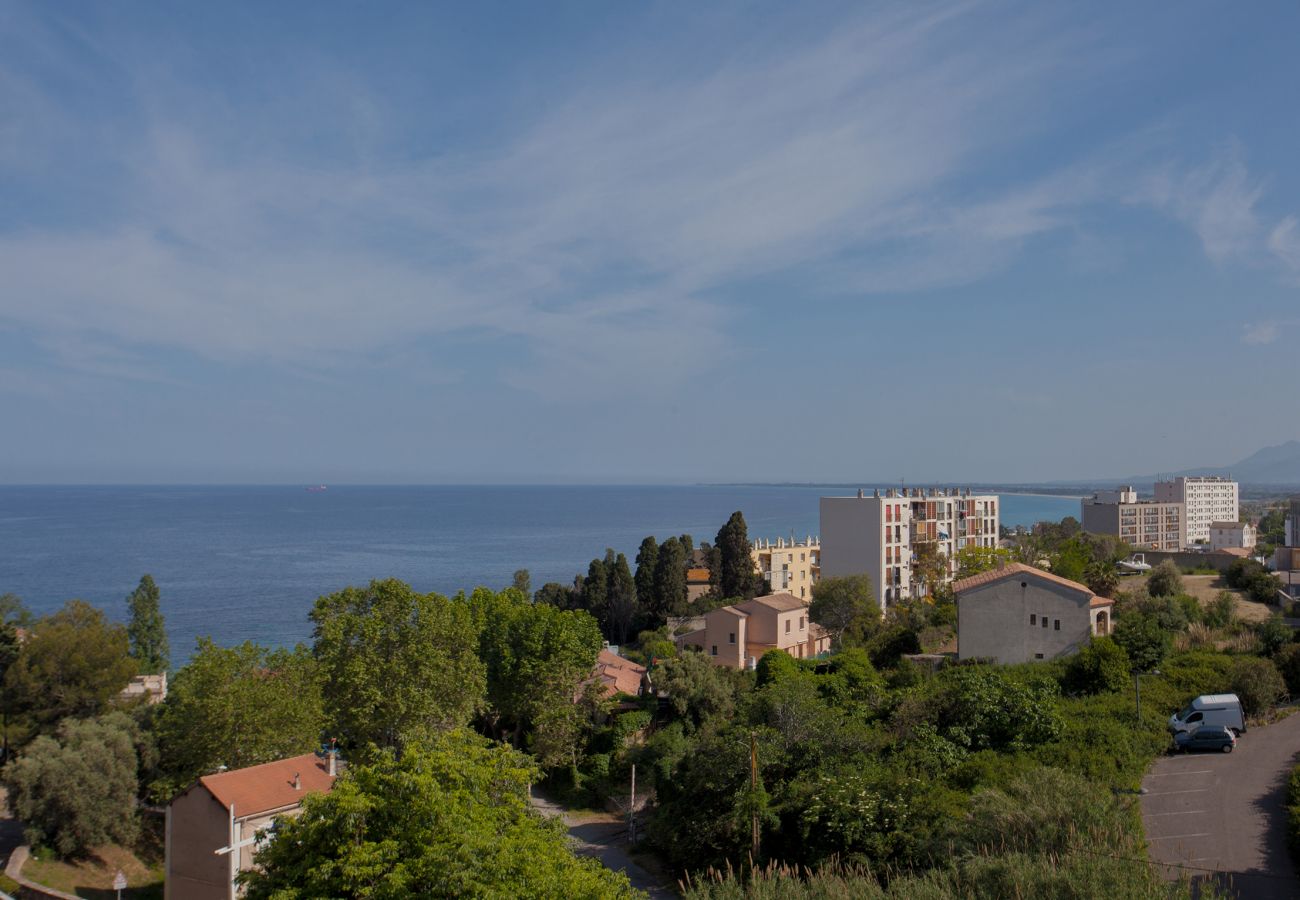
1277	466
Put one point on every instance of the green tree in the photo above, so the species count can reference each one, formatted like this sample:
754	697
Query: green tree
72	664
930	565
670	578
1101	666
595	588
1288	663
558	595
146	631
522	582
736	576
451	819
1257	683
77	790
1274	634
1102	578
973	560
987	708
1165	581
621	609
697	690
1142	638
647	560
397	666
846	607
237	707
536	659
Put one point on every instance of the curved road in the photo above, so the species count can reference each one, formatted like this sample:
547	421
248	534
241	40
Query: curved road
603	836
1221	815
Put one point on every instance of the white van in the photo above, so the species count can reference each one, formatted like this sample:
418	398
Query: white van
1210	709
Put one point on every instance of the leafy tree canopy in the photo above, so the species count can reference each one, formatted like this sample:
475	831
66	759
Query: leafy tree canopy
447	819
238	706
397	666
846	607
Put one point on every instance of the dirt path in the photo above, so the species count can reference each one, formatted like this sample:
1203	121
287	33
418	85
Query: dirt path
1221	815
603	836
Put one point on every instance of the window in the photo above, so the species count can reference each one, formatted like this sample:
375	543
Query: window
1044	621
714	650
801	623
1057	626
1038	656
787	626
1033	618
731	637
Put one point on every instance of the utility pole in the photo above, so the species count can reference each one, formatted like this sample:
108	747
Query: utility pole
753	788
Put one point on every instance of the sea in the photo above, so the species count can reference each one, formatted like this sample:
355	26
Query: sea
247	563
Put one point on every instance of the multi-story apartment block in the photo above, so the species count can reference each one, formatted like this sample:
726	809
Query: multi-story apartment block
880	535
1146	524
790	566
1206	499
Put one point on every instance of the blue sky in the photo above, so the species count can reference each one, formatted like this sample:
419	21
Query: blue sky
636	242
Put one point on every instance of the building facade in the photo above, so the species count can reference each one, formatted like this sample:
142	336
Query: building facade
1232	536
880	535
1206	499
789	566
738	636
212	827
1145	524
1021	614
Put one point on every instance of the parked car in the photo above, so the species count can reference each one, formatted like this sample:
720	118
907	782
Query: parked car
1207	737
1210	709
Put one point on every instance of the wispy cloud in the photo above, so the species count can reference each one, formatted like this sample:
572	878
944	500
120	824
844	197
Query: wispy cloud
1259	333
1217	201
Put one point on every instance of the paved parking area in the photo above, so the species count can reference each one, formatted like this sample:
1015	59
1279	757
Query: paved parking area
1220	815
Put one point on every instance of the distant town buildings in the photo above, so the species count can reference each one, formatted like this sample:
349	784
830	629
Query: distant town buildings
1145	524
1286	559
212	828
1232	536
880	535
1017	614
789	566
1206	499
738	636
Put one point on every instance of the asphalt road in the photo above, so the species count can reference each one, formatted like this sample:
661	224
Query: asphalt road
604	837
1221	815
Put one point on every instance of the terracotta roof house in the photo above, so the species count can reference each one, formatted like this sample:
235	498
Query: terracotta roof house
150	688
739	635
212	827
618	675
697	583
1017	613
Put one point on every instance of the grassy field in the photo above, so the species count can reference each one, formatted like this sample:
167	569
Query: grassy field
93	877
1205	588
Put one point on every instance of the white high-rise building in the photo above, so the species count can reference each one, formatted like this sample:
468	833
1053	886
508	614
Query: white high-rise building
878	535
1206	499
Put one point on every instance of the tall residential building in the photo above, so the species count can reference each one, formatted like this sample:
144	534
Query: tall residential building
1146	524
879	535
1206	499
790	566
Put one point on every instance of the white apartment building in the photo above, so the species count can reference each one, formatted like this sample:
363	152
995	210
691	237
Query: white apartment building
1145	524
1206	499
878	535
1232	536
790	566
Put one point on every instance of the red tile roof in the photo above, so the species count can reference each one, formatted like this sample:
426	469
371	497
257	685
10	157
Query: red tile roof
697	576
618	675
260	789
779	602
1015	568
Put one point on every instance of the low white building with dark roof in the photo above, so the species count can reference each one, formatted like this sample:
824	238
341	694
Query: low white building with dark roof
1017	613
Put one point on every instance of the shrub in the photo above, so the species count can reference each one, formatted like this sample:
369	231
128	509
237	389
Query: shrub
1288	663
78	790
1257	683
889	645
1273	635
1165	581
1102	665
1191	608
1142	638
1220	612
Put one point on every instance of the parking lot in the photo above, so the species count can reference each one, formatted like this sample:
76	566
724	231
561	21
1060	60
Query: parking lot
1219	815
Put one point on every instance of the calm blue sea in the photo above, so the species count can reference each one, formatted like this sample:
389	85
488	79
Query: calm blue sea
238	563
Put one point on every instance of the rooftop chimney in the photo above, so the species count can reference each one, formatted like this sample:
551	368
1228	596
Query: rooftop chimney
297	782
332	757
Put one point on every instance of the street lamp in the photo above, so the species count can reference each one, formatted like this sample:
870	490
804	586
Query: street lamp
1137	689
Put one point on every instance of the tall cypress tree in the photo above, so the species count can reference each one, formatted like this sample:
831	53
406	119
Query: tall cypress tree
647	559
736	576
595	588
621	606
147	633
670	579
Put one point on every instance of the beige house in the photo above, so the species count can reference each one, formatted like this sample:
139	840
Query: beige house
738	636
1232	536
1017	614
697	583
789	566
212	827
